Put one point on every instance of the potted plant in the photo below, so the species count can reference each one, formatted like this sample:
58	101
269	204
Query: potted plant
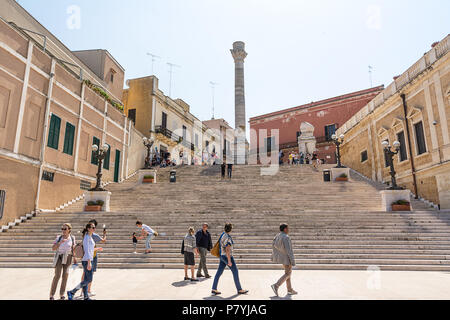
149	178
94	206
401	205
342	177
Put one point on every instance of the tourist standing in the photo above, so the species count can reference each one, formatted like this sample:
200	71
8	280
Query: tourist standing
204	244
282	253
97	239
302	158
189	247
223	167
230	170
226	259
63	246
291	158
88	257
135	242
148	233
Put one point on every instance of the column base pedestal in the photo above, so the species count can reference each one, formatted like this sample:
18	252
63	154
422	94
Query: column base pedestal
104	196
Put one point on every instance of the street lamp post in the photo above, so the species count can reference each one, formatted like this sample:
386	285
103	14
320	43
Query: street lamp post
338	142
148	143
99	154
389	154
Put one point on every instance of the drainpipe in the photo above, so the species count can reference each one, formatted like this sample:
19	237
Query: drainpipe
44	133
411	157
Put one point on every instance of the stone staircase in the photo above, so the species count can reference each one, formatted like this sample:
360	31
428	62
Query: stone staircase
333	225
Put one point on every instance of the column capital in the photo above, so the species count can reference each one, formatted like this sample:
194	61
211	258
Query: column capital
238	51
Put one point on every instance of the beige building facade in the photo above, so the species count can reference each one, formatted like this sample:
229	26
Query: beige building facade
414	110
50	117
169	122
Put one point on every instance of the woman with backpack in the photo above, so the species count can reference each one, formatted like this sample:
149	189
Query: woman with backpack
226	244
63	245
189	247
88	256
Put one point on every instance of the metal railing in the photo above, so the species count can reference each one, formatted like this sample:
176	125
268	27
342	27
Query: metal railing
167	133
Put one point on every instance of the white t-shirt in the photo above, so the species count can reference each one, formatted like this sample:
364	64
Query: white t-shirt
147	229
65	247
88	246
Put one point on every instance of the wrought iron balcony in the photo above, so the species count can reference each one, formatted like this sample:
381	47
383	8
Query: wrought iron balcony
167	133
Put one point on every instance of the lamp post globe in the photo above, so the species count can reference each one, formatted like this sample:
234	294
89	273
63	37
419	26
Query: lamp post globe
94	147
342	137
334	137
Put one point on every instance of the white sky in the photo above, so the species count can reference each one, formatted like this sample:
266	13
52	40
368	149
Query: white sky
298	51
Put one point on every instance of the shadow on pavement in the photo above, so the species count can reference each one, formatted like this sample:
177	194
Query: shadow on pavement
183	283
288	297
221	298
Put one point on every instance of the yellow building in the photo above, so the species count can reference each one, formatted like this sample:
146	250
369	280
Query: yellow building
169	122
414	110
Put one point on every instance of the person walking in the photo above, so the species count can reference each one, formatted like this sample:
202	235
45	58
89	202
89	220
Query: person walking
97	239
223	166
226	259
204	244
88	257
189	247
230	170
148	233
282	253
63	245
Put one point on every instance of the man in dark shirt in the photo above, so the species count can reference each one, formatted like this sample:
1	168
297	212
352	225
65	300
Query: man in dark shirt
204	244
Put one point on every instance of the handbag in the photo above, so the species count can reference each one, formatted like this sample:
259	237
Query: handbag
215	251
182	247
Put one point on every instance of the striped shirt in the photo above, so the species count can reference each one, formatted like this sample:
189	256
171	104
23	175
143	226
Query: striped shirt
226	241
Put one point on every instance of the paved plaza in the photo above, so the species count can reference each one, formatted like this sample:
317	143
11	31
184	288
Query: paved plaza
117	284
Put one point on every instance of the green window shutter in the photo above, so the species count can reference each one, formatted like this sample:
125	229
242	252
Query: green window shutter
53	132
107	157
96	141
69	139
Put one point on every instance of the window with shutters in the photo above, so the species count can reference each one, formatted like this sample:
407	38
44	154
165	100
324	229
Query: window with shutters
329	131
107	158
53	132
132	115
364	156
94	159
420	138
69	139
403	155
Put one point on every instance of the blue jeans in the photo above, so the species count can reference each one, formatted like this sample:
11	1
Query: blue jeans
234	270
88	274
147	242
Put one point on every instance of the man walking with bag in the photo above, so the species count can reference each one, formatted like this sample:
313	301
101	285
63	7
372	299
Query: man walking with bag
282	253
204	244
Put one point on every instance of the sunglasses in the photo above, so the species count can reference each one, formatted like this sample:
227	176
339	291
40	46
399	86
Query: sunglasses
64	229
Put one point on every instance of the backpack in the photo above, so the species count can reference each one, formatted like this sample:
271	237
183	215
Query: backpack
215	251
78	251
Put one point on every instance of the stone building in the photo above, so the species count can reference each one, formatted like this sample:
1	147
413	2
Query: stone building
53	108
323	117
414	110
175	129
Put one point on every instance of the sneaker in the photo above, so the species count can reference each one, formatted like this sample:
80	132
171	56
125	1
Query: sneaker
69	295
243	292
275	289
292	293
215	292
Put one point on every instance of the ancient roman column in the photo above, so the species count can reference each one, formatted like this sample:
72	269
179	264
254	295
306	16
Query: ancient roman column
239	54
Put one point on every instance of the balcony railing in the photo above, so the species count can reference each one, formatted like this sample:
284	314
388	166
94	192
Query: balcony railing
167	133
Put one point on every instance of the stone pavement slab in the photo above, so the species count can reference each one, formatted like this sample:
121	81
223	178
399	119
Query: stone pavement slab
128	284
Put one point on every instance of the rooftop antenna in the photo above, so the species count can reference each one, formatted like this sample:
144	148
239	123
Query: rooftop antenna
370	76
213	86
154	56
171	65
